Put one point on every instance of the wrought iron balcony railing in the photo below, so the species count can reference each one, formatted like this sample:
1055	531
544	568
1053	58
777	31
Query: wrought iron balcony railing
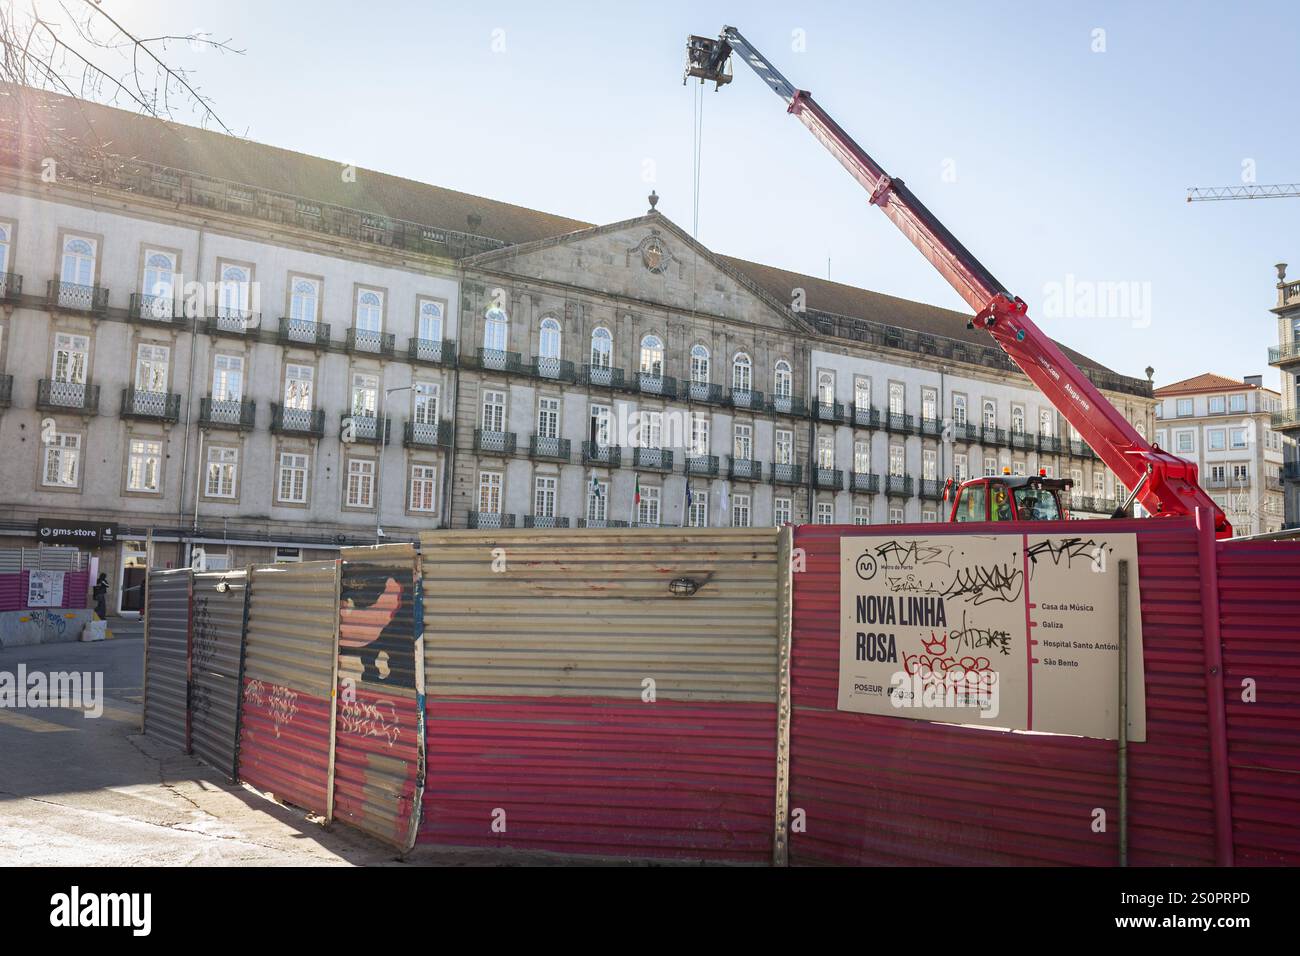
227	413
829	412
746	398
602	456
991	435
369	342
652	459
831	479
1284	354
650	384
550	449
898	485
1021	440
600	523
932	488
298	421
702	392
158	406
864	482
155	309
313	335
364	429
787	405
864	416
1049	444
604	376
558	370
965	432
495	360
1286	419
6	390
745	469
545	521
785	473
426	434
931	427
11	286
494	442
899	423
71	297
490	520
82	398
223	320
705	466
431	351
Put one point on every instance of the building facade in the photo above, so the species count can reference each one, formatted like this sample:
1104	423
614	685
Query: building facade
1226	426
318	356
1286	359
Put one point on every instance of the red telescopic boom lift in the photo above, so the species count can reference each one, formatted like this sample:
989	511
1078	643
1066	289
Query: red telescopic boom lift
1165	484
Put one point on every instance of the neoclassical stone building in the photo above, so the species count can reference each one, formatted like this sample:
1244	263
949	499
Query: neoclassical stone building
258	353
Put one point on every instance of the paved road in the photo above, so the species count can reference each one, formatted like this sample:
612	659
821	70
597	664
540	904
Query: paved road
77	791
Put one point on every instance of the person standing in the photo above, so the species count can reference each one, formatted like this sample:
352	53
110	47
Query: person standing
100	592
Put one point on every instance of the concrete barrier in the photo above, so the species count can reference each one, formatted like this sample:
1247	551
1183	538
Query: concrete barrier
42	626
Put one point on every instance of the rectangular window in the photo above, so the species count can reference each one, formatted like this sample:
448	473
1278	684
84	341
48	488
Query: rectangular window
825	451
740	511
151	362
292	486
144	465
990	466
598	501
651	432
1045	423
1184	407
699	434
1237	437
928	517
861	514
1183	441
896	460
648	510
71	356
782	511
361	483
960	469
1216	439
784	448
544	496
930	464
862	457
425	398
1218	405
489	492
1018	468
1099	484
548	418
494	412
744	444
698	512
600	425
298	391
825	512
1237	403
6	237
1241	474
62	461
227	378
223	472
895	515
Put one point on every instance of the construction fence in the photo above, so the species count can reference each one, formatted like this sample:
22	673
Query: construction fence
672	694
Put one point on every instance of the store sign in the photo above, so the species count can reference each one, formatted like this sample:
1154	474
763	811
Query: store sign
77	534
1016	631
45	589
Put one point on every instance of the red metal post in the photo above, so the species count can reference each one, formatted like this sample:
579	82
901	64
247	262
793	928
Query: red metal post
1216	712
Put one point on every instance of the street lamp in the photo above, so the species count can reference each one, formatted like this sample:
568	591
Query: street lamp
381	427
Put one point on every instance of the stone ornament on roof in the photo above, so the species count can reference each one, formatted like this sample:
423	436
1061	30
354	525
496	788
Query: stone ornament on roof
655	255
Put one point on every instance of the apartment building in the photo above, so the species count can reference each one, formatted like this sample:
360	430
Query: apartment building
1286	359
257	353
1225	425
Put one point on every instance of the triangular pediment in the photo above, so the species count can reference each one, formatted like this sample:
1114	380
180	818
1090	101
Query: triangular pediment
649	259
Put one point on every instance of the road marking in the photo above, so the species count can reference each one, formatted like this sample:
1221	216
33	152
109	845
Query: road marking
20	720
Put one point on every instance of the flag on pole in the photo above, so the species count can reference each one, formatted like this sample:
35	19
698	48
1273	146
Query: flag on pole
636	501
690	501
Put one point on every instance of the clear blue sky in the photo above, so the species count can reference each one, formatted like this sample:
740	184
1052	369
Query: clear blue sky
1067	161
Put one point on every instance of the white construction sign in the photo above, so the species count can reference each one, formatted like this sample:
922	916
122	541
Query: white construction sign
1016	631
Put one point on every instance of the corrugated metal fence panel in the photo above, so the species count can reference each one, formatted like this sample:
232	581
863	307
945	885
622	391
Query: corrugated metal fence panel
379	747
541	652
13	591
883	790
167	658
1259	611
217	641
286	721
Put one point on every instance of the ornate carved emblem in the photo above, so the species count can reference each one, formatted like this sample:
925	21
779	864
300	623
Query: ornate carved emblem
654	254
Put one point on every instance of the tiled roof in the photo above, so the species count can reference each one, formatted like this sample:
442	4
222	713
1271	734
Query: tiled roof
1205	382
132	136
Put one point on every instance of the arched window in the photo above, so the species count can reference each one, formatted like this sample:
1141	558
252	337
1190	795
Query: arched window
549	341
699	364
1018	420
990	414
742	373
652	355
430	321
370	310
304	301
496	326
78	262
783	383
602	347
825	388
234	290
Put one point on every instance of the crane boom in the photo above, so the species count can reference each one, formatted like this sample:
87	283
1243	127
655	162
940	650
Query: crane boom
1164	483
1219	193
